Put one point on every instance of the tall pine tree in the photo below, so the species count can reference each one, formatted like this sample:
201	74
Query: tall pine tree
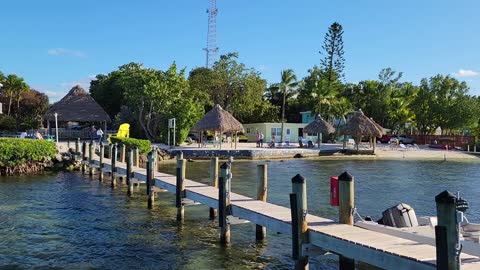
333	62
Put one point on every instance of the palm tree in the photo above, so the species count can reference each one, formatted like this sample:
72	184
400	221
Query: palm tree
13	87
288	83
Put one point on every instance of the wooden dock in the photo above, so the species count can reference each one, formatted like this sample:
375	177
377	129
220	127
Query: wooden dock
355	243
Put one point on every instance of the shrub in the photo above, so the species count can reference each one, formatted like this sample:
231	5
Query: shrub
15	151
143	145
7	123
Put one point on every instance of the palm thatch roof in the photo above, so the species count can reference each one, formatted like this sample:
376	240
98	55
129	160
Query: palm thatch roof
382	129
77	106
319	126
361	125
217	119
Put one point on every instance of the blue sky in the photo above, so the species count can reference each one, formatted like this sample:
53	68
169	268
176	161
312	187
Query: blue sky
56	44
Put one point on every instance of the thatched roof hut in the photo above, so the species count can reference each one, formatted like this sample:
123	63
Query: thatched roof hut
319	126
77	106
360	125
217	119
378	126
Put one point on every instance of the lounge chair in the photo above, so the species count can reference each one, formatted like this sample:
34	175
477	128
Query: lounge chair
310	144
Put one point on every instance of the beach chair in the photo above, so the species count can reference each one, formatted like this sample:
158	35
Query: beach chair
402	146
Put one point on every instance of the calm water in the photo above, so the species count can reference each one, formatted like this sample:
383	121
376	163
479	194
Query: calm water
68	221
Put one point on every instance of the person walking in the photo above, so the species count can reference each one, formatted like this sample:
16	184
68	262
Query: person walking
100	135
261	139
257	139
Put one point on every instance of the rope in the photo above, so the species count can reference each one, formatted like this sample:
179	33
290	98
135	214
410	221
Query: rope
355	212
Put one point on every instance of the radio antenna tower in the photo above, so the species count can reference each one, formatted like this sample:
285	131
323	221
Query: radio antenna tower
212	49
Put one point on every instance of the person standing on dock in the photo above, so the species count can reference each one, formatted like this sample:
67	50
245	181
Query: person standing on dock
257	139
99	135
261	139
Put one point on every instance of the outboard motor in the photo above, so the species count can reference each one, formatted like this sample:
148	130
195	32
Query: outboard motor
401	215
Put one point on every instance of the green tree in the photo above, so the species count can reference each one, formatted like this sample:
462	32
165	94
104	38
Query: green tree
333	62
13	87
288	83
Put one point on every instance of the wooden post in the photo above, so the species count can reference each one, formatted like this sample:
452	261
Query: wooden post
114	162
468	147
90	159
68	143
180	191
129	171
298	206
346	197
224	203
262	184
150	173
102	156
155	159
474	148
84	158
213	182
122	153
136	157
446	232
77	146
110	151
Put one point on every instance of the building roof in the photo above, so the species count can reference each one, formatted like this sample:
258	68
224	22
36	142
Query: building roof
77	106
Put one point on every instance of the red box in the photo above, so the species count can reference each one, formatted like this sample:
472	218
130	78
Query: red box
334	200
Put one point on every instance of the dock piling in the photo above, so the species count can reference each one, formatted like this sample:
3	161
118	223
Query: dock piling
262	184
136	156
224	203
150	184
100	167
129	172
114	162
213	182
84	157
346	197
90	159
77	146
447	232
110	150
122	153
180	187
298	208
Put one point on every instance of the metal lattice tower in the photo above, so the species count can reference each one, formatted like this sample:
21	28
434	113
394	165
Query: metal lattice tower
212	49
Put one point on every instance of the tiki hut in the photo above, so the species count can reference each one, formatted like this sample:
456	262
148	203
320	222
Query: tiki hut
77	106
319	126
218	120
360	125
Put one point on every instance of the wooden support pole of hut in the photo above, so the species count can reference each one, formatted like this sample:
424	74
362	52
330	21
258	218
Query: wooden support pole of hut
150	174
262	184
114	164
84	156
474	148
100	167
298	208
180	187
90	159
136	156
346	197
129	171
224	203
155	159
447	232
213	182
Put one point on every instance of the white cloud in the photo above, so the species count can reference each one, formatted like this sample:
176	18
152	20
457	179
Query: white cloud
63	51
261	67
466	73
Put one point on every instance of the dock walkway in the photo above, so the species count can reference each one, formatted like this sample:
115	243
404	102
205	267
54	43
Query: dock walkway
374	248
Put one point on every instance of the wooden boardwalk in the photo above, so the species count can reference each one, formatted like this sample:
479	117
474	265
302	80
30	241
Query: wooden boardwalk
374	248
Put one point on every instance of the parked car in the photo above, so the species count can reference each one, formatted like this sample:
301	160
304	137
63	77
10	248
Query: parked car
242	137
402	139
385	138
193	137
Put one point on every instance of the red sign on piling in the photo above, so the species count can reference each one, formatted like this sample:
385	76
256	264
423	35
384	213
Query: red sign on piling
334	200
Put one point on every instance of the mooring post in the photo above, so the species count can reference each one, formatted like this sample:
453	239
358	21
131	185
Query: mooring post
110	151
84	156
129	171
114	163
135	156
224	203
298	208
213	182
90	159
150	174
346	197
262	183
446	232
77	146
100	167
180	188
